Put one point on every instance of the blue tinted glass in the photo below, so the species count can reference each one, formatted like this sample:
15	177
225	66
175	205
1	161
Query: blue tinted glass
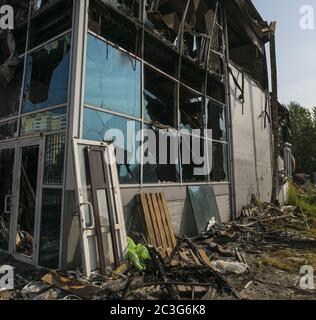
100	126
113	79
46	78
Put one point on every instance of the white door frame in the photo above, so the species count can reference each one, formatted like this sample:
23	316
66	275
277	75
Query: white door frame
87	231
16	187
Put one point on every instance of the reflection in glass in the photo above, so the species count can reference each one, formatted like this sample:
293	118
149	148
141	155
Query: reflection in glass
54	159
46	78
27	200
50	228
6	178
113	79
97	126
216	120
45	121
160	99
8	129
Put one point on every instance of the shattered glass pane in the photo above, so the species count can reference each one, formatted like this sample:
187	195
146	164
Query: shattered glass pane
113	79
216	120
102	126
160	99
50	228
47	76
54	159
44	121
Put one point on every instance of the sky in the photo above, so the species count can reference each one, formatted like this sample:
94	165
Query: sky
296	50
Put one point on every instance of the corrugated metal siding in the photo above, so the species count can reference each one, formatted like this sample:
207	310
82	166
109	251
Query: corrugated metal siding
252	142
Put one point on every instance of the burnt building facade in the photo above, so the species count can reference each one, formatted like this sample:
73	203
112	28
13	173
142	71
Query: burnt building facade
77	69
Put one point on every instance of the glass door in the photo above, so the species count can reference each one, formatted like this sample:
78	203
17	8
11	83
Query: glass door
7	160
27	204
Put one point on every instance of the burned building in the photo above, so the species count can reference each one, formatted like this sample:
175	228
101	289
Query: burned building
73	70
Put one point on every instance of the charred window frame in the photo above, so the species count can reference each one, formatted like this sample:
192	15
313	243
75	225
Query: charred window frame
160	99
117	21
47	76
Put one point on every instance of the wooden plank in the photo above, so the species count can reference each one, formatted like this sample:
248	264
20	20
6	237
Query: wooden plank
164	202
164	221
195	258
154	220
159	221
206	261
146	214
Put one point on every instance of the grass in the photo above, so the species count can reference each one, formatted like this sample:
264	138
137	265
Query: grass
289	260
306	199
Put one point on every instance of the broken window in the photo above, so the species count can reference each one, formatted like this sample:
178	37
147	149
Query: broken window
215	89
11	73
219	170
109	19
113	79
102	126
52	120
54	159
161	156
49	19
50	228
216	119
6	178
191	110
194	159
47	76
159	55
160	99
8	129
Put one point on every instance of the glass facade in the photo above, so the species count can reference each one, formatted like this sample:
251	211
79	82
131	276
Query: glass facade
171	110
113	79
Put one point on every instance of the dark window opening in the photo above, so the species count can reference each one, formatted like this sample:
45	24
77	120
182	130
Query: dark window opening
114	26
215	89
160	99
8	129
194	159
219	172
49	19
191	110
10	87
161	162
46	79
216	120
161	56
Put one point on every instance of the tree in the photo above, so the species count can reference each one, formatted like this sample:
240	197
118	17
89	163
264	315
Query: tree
303	132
